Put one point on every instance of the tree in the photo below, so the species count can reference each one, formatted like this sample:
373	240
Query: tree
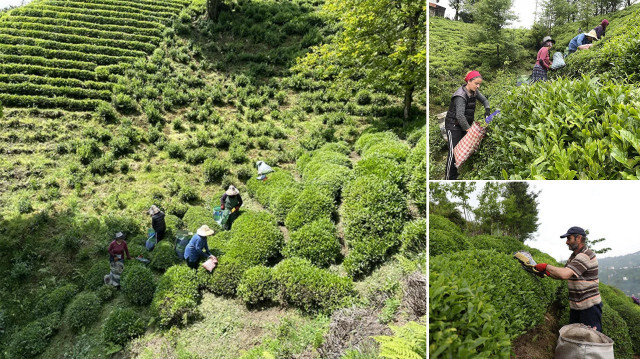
488	214
591	243
213	9
439	203
387	38
462	191
520	210
493	15
455	4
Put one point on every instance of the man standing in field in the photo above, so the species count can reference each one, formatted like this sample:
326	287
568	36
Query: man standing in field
581	271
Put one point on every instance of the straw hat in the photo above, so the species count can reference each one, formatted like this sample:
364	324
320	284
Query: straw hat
205	231
153	210
232	191
592	34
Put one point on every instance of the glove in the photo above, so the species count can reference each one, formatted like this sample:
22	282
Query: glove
541	267
527	262
222	207
487	112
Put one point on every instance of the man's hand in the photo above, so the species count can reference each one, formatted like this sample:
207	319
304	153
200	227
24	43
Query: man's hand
487	112
541	267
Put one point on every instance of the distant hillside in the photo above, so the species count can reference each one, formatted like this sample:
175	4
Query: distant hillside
622	272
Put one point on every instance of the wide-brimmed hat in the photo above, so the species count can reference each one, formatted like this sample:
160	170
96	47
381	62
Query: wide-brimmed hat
154	209
119	235
204	231
232	191
548	38
592	34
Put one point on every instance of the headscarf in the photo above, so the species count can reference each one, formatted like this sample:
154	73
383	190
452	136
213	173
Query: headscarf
471	74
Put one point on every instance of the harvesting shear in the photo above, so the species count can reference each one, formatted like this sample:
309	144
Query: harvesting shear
527	262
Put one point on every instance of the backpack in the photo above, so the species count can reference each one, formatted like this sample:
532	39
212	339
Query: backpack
152	240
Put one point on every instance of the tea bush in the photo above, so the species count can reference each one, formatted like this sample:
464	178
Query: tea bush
439	222
56	300
505	245
33	338
523	297
197	216
443	242
628	310
310	288
463	322
313	203
82	311
176	298
122	325
414	237
164	256
257	285
268	191
368	140
330	177
416	175
137	284
616	328
393	150
94	277
214	170
316	241
383	168
106	293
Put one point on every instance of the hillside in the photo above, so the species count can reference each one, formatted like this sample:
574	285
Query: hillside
510	312
110	106
622	272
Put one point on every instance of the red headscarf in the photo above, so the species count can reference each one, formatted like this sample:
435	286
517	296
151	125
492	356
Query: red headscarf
604	23
471	75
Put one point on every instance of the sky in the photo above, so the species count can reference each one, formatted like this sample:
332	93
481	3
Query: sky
7	3
524	9
607	209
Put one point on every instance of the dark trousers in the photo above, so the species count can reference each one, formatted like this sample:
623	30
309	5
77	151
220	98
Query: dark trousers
454	136
591	317
193	265
159	235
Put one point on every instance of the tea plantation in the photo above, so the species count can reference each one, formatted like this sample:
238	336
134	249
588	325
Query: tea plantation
481	301
110	106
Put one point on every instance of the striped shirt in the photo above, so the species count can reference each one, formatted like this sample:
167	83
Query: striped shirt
583	286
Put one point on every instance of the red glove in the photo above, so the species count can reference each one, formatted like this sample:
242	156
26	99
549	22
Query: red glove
542	268
221	207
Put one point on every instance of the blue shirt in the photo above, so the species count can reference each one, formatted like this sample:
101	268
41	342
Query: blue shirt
193	252
579	40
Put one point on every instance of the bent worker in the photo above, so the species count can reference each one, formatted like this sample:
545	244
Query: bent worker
601	29
118	248
580	40
543	63
263	168
230	204
581	272
157	222
198	247
461	115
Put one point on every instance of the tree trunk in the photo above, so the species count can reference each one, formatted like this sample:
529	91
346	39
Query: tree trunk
213	8
408	97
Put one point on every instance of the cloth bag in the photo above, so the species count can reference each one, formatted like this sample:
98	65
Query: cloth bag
558	61
152	240
578	341
210	263
113	278
468	144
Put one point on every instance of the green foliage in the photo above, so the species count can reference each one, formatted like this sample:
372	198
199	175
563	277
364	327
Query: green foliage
383	168
506	245
94	277
122	325
616	328
56	300
408	341
309	288
279	192
164	256
214	170
176	298
313	203
175	150
257	285
33	339
137	284
416	175
628	311
197	216
82	311
414	237
316	241
463	322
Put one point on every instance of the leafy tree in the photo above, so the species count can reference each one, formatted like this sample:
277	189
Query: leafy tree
520	210
493	15
488	214
386	37
213	9
440	204
462	191
591	242
456	5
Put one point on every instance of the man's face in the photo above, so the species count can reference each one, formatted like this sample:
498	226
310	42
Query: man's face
572	242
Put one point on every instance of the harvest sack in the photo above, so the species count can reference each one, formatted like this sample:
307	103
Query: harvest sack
468	144
113	278
558	60
578	341
210	263
182	240
152	240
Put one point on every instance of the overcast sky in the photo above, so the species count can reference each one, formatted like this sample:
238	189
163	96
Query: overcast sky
7	3
524	9
607	209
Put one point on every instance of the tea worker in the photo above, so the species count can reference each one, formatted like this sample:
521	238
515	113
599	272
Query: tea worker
198	247
157	222
543	63
580	40
581	273
263	168
118	248
601	29
230	204
460	116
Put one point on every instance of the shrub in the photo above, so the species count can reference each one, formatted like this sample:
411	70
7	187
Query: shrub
257	285
164	256
370	139
616	328
24	205
453	331
196	216
175	150
33	339
214	170
629	311
82	310
414	237
284	202
416	174
266	192
383	168
330	177
506	245
137	284
176	298
94	277
363	97
310	288
439	222
393	150
315	241
106	293
121	145
56	300
87	151
441	242
105	113
187	193
238	154
314	203
122	325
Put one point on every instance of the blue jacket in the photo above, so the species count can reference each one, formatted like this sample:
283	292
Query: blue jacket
193	252
579	40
